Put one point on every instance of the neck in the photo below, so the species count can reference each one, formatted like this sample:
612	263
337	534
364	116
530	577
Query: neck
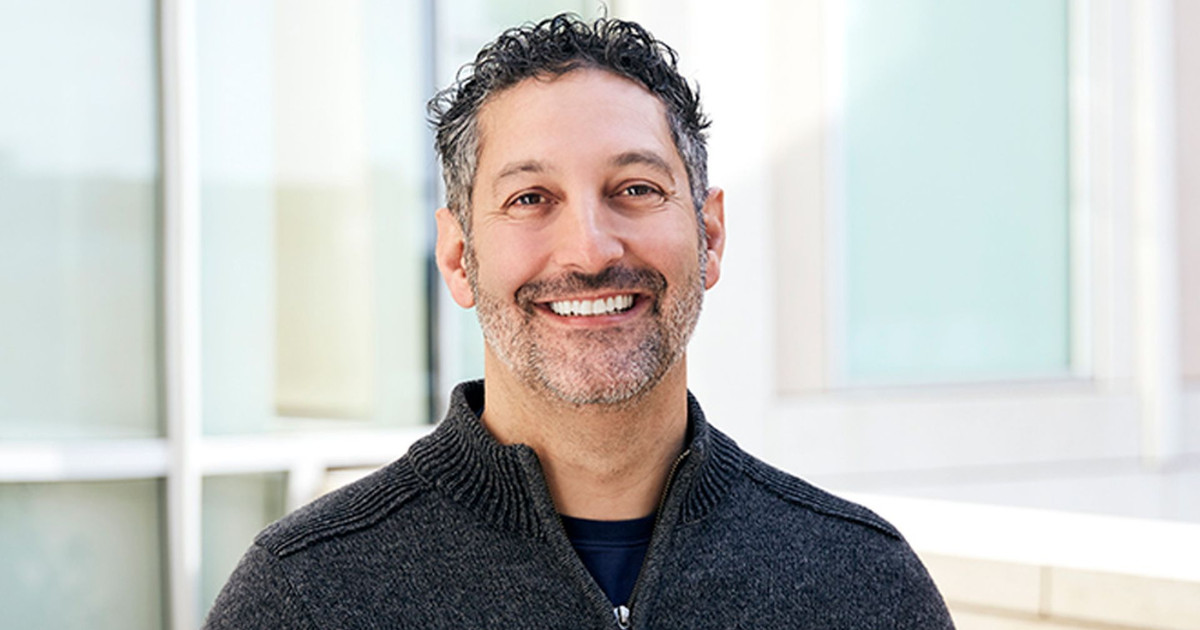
603	462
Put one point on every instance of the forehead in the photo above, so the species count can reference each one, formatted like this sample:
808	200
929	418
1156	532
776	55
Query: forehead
584	113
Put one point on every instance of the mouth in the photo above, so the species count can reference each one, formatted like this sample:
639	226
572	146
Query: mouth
612	297
593	307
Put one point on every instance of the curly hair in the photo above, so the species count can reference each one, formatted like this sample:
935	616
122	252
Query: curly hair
554	47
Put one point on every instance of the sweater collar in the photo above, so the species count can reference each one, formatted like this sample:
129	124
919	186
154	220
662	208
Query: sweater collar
504	484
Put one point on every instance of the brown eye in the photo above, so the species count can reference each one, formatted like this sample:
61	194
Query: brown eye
638	190
529	199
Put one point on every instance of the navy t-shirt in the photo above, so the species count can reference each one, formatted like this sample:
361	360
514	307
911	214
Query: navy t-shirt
612	551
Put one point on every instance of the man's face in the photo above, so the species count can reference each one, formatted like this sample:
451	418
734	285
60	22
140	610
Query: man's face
587	266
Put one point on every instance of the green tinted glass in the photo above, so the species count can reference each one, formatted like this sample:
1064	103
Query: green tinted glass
79	188
956	191
82	555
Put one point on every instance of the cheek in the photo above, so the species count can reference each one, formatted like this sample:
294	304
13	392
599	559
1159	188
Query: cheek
674	250
507	260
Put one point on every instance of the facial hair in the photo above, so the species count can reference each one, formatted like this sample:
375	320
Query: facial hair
610	366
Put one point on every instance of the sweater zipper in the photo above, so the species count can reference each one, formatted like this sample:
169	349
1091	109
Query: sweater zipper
623	613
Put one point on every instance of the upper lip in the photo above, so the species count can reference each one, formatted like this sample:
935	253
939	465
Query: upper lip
611	282
594	296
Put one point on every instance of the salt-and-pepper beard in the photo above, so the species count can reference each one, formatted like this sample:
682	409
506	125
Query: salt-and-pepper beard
612	366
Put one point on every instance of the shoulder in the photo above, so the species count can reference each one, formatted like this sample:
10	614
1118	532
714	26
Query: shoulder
827	559
788	493
352	508
258	595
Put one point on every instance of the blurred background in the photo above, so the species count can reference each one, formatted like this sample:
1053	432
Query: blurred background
962	281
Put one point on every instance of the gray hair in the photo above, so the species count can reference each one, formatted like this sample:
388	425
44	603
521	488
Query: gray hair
554	47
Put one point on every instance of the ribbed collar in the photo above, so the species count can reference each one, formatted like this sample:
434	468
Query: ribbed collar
505	486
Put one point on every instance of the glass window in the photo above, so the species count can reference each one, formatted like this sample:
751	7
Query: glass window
314	213
82	556
956	259
79	185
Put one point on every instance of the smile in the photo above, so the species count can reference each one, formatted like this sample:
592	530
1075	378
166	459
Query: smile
593	308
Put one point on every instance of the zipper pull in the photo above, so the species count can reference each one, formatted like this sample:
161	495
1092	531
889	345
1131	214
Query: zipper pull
622	614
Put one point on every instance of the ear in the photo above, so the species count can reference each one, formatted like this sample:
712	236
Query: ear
714	234
449	251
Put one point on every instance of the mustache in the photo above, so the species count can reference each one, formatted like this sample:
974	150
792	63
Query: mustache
615	278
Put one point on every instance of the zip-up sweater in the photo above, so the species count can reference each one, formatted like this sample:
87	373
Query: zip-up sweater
461	532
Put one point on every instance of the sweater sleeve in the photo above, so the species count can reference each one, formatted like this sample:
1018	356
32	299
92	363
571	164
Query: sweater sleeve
258	595
909	599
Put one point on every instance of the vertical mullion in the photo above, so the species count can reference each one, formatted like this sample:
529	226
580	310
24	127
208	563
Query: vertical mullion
1156	256
1081	210
181	289
798	109
437	303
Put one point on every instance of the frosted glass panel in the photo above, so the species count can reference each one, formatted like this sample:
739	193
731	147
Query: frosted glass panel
82	556
956	190
78	219
236	508
315	213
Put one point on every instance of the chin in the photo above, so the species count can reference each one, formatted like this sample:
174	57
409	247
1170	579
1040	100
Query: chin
614	387
614	395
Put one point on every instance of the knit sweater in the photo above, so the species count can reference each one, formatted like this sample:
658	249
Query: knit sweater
461	532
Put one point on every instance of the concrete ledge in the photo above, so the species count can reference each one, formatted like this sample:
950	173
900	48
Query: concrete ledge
1003	568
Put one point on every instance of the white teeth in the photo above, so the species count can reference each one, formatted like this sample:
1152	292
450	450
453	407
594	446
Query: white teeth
585	308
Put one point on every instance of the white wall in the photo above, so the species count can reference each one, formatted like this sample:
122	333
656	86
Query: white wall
1187	93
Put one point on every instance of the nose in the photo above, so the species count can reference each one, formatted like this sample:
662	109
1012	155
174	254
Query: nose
586	236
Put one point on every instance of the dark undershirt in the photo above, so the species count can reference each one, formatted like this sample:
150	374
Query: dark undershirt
612	551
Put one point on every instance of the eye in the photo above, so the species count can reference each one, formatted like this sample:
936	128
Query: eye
529	199
639	190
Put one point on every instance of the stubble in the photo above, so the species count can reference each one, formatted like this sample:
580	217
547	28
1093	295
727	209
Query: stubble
612	366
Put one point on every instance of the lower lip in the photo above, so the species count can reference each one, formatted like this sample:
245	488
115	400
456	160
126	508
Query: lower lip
640	304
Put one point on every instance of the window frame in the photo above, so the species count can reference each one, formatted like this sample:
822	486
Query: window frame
1122	392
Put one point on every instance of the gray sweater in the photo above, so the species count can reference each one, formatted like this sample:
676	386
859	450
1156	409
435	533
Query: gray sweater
461	532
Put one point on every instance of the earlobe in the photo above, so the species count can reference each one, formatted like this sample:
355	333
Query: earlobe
449	251
714	235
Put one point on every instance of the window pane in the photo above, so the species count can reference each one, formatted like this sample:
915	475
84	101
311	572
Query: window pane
956	190
236	508
315	217
78	219
83	556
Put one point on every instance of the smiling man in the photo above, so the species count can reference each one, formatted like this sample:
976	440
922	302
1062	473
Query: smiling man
579	485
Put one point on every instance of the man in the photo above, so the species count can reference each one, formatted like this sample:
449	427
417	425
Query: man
581	487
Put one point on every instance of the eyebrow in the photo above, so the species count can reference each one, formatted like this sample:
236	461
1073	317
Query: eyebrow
517	168
526	166
628	158
646	158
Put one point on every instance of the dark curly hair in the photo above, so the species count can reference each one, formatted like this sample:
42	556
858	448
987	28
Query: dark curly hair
554	47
